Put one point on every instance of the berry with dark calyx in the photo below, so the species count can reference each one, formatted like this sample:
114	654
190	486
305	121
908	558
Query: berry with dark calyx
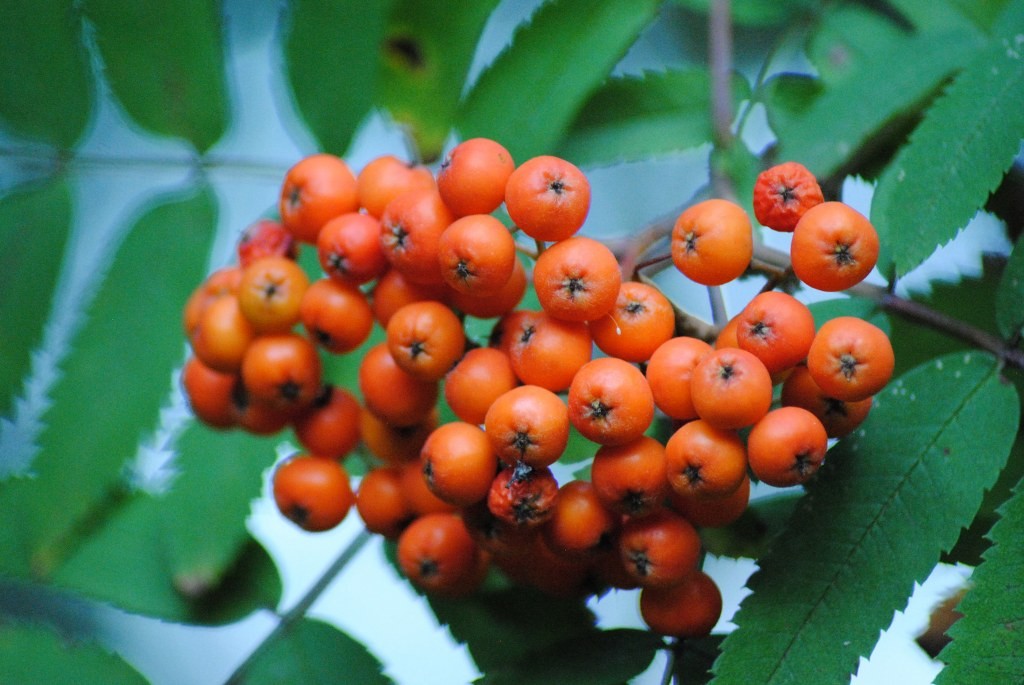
523	496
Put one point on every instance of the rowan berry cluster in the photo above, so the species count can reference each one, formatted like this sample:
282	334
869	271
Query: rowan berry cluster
415	254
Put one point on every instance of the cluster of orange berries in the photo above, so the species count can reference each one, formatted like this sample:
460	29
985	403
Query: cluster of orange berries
415	254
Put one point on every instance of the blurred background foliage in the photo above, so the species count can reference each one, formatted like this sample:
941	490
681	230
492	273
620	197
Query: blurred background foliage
112	493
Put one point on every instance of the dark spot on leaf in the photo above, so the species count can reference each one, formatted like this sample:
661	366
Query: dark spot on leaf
407	51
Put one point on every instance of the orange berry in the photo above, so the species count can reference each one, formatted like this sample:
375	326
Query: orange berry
834	247
473	176
850	359
577	279
783	193
786	447
315	190
548	198
641	320
731	388
610	401
712	242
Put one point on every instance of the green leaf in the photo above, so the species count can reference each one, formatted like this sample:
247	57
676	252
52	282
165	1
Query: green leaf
927	15
34	655
34	227
788	97
142	579
165	64
737	163
888	500
988	642
328	48
636	117
693	664
974	541
846	36
556	60
203	517
891	84
425	57
46	92
1010	295
578	448
503	626
983	14
860	307
606	657
181	553
955	158
314	652
114	380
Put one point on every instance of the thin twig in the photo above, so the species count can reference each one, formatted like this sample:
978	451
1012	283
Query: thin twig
670	663
630	251
298	611
910	310
663	258
720	64
65	159
718	312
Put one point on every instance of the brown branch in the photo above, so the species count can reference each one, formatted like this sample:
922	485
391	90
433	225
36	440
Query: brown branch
909	310
720	63
630	250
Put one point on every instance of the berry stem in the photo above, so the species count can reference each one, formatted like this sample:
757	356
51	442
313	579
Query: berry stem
299	609
630	250
674	649
718	312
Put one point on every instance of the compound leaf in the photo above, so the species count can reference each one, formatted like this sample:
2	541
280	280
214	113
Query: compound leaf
34	227
558	59
178	550
891	83
606	657
46	92
988	642
633	118
114	380
956	157
203	516
889	499
425	58
845	37
331	69
34	655
315	652
142	580
165	64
